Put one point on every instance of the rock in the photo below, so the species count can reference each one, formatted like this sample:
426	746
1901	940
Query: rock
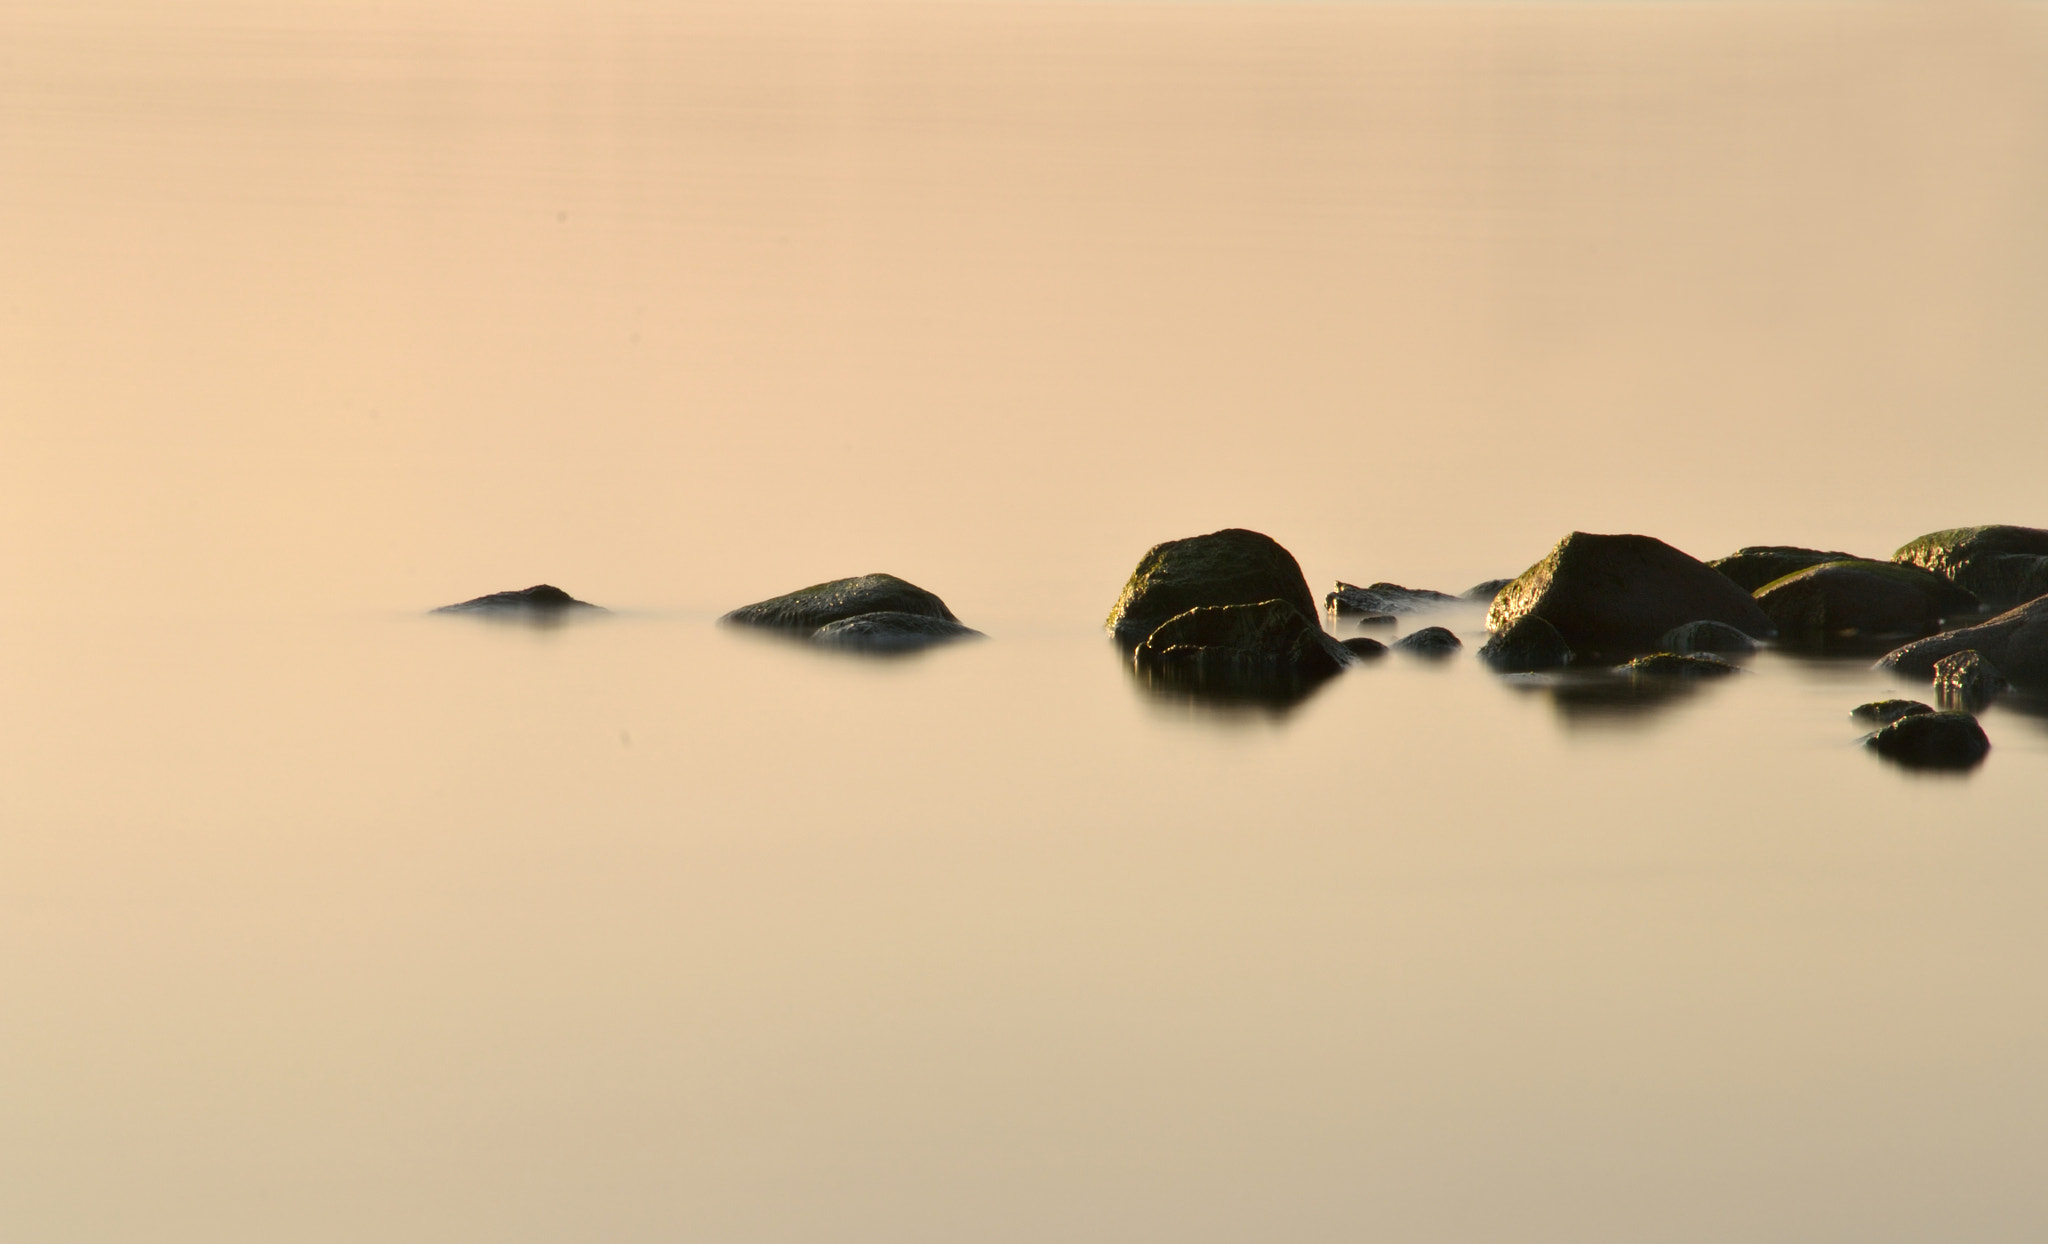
1268	647
1485	591
2016	642
2002	566
890	631
1614	596
540	599
1530	644
1366	649
1887	711
1678	665
1859	600
1705	637
1430	641
1759	564
1230	567
1349	603
1933	741
805	610
1964	680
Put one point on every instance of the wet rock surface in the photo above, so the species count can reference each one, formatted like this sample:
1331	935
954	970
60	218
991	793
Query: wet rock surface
1759	564
1933	741
1430	641
1531	644
873	612
1267	650
1677	665
1483	592
1860	601
1706	637
2016	642
1363	648
2003	566
1229	567
1966	681
1348	602
1616	595
540	599
1884	712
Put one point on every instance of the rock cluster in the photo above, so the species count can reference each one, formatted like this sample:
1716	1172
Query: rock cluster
1617	596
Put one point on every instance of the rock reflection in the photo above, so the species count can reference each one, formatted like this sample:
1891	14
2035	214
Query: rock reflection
1602	697
1222	691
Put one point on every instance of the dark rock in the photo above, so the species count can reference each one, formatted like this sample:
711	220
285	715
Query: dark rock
889	631
2016	642
1885	712
1349	603
1230	567
1964	680
1933	741
1860	600
1706	637
1615	596
1530	644
1367	649
1678	665
805	610
1241	650
1485	591
1761	563
541	598
2002	566
1430	641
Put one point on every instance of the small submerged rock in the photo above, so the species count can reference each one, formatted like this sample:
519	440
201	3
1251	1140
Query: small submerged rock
2001	565
1531	644
1884	712
874	612
1430	641
1966	681
1678	665
1364	648
542	599
1933	741
1706	637
1381	600
1614	596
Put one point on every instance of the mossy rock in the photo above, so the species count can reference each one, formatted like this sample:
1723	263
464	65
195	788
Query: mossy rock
1262	650
1485	592
1759	564
541	599
2015	641
1860	600
1614	596
806	610
1229	567
1933	741
1886	712
1678	665
2001	565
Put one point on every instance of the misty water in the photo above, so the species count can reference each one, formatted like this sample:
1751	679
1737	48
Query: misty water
324	918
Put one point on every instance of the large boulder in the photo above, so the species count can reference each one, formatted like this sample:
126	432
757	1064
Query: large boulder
1860	600
1230	567
1266	648
874	612
2002	566
1617	595
1529	645
1933	741
540	600
1758	564
2015	641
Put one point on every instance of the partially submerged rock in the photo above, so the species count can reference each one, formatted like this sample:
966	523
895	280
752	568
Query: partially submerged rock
1706	637
541	599
1364	648
2015	641
1229	567
1268	649
1349	602
1885	712
876	612
2002	566
1430	641
1966	681
1860	600
1933	741
1759	564
1485	591
1614	596
1529	645
1678	665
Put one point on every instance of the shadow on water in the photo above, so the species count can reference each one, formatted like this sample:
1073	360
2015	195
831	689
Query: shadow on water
1223	696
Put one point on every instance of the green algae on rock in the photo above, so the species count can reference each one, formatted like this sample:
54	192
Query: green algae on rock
1263	650
1860	600
1531	644
1228	567
1759	564
2002	565
1885	712
1617	595
1678	665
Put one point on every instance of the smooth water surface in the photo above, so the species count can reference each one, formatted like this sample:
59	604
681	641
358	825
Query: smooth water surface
322	919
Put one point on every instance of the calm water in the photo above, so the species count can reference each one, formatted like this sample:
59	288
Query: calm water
321	919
